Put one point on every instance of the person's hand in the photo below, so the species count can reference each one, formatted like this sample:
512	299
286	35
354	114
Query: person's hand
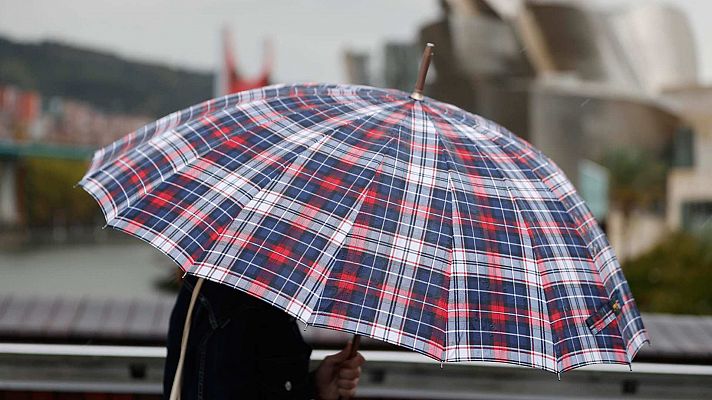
338	375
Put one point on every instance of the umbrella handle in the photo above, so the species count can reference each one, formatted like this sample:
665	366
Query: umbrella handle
178	377
355	343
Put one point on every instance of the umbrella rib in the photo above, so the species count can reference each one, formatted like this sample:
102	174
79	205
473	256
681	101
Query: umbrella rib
141	149
175	119
151	236
418	189
519	216
446	156
347	122
357	211
578	223
451	282
523	221
377	152
329	266
380	234
138	195
156	129
573	211
498	139
453	205
167	124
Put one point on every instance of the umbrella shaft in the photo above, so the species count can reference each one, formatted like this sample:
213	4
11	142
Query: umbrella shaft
424	65
355	343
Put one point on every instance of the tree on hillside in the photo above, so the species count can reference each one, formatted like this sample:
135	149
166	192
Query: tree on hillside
102	79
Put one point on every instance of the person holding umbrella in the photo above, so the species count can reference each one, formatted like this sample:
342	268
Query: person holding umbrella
241	347
369	211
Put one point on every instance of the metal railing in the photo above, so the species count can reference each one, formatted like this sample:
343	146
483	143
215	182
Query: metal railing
387	374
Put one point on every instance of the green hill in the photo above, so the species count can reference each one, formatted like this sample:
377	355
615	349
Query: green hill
102	79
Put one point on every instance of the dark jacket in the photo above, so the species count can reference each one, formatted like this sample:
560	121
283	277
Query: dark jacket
239	347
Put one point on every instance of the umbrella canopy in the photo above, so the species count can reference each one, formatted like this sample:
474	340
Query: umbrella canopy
373	212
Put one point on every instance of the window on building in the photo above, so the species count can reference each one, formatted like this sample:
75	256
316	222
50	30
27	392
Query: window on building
683	148
697	216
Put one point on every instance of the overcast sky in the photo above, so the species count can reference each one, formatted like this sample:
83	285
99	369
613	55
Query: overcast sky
309	36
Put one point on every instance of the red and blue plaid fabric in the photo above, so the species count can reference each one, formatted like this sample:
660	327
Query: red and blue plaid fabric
363	210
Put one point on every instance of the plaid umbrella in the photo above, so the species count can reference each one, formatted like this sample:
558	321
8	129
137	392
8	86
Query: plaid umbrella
379	213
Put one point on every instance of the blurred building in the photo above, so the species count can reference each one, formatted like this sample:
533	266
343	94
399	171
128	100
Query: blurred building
19	112
580	82
689	191
654	43
401	65
32	126
27	117
356	65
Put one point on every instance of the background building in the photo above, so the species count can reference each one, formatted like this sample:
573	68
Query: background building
587	86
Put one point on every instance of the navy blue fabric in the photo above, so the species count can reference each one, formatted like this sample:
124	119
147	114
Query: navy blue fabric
239	348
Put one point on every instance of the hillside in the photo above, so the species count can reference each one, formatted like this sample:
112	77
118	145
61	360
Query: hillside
105	80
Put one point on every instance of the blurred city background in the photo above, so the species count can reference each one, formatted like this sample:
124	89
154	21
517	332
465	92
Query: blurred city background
617	93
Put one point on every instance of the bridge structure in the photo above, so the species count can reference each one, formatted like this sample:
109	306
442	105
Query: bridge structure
11	156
